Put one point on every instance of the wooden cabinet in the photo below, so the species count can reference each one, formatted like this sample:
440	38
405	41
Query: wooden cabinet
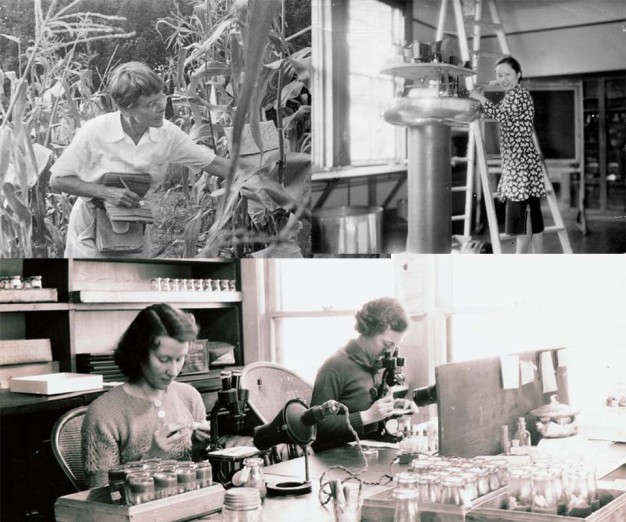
97	300
604	101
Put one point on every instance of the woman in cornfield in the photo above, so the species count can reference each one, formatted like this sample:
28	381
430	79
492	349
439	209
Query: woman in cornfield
115	158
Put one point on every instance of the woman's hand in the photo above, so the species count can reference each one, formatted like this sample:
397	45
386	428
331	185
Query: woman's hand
201	434
167	437
121	197
477	95
406	404
378	411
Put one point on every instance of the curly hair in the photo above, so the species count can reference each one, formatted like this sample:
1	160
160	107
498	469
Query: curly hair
142	336
376	316
131	80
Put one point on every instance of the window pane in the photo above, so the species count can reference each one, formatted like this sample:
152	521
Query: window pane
331	284
374	28
303	344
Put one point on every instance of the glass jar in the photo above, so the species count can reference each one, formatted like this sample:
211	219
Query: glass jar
471	483
117	479
482	480
252	475
544	498
204	474
406	508
242	505
453	492
208	285
155	284
16	282
140	488
429	489
420	466
186	478
224	285
232	285
520	489
36	281
166	284
165	484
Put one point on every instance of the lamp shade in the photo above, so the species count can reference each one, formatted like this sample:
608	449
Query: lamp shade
292	425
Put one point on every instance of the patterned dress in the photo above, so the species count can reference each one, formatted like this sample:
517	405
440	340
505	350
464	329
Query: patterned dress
522	175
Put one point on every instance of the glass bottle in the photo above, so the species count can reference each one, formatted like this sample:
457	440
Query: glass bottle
522	434
242	505
252	475
406	509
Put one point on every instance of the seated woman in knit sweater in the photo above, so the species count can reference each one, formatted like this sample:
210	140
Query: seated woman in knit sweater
151	415
350	376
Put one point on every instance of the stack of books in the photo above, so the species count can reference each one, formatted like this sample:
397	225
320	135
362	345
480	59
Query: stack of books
101	363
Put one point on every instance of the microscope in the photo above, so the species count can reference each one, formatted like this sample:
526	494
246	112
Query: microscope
231	398
393	383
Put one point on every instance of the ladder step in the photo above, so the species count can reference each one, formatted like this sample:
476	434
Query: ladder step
459	159
459	218
483	23
459	189
487	53
553	228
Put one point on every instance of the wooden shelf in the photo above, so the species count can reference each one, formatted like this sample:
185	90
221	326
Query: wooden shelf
147	297
33	307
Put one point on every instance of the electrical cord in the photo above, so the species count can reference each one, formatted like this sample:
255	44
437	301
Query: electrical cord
326	491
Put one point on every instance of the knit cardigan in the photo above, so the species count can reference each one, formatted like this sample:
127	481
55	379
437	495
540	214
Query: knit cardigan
119	427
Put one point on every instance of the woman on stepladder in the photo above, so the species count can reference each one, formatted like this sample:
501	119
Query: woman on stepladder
522	182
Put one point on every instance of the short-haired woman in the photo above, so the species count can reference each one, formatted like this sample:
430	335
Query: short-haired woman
522	181
351	375
134	139
151	415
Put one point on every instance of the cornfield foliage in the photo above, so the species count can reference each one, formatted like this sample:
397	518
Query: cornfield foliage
225	75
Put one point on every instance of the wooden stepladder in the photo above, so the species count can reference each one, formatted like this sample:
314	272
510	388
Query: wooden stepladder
476	154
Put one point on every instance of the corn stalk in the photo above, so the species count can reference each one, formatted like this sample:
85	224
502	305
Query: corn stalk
39	117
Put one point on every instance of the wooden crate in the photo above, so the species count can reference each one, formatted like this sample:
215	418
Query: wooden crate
378	506
614	511
94	506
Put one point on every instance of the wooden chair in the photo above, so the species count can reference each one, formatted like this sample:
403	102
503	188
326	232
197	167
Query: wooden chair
271	386
66	445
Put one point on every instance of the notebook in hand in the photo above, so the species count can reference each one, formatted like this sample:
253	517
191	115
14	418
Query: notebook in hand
139	183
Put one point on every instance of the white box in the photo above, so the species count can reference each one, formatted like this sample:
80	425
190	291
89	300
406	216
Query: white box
54	383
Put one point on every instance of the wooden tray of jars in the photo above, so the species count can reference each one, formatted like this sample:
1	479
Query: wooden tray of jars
379	505
611	511
94	505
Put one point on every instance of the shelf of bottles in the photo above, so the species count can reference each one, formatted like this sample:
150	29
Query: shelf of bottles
605	144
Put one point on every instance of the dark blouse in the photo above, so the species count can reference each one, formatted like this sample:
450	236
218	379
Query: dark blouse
522	175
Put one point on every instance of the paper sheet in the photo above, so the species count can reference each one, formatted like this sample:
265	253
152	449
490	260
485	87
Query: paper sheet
562	358
527	370
509	364
548	376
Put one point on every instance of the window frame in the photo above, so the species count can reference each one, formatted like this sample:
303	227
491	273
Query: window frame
330	83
